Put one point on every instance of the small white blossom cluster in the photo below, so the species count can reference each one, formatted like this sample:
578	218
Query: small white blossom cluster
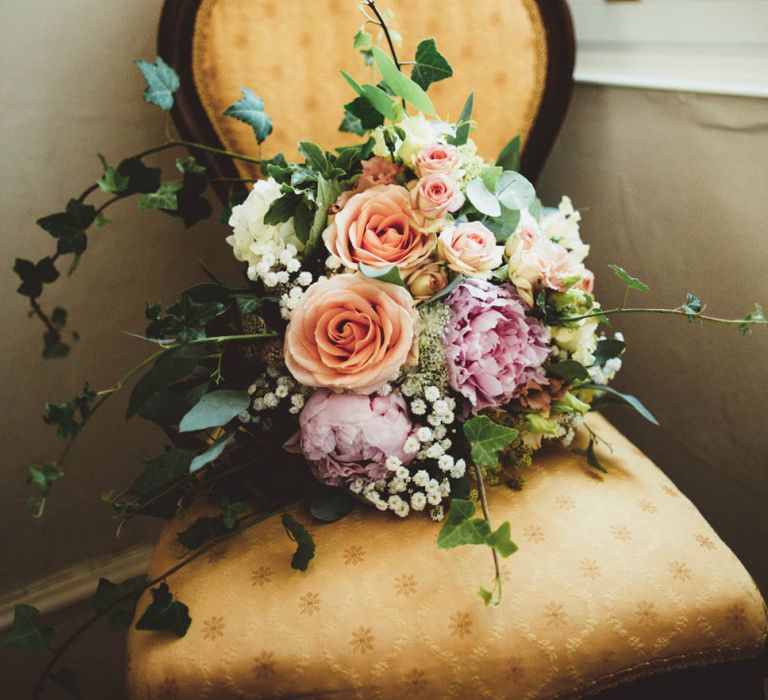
274	271
605	373
291	299
268	392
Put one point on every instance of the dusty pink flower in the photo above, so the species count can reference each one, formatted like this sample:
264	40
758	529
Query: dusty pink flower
470	249
538	397
492	348
437	158
376	171
434	195
349	436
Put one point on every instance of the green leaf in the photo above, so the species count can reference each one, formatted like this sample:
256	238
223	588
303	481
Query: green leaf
25	632
389	274
431	65
692	306
230	511
400	84
570	371
505	225
282	209
214	410
464	124
168	406
486	595
514	191
112	181
607	349
625	398
461	528
331	504
305	545
165	613
328	192
161	472
70	417
66	678
42	478
314	157
482	198
191	205
120	599
631	282
250	109
212	453
162	82
487	439
164	198
361	39
509	158
201	531
380	100
592	458
754	316
186	320
302	221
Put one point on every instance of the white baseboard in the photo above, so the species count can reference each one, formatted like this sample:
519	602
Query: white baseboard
75	584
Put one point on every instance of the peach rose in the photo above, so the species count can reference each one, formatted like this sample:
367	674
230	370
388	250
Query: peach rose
424	282
433	196
351	333
437	158
377	227
470	249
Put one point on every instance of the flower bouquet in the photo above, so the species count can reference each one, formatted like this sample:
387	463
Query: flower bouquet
412	326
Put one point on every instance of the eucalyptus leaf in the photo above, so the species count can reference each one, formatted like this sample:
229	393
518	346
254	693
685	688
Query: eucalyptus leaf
215	409
482	198
514	191
212	453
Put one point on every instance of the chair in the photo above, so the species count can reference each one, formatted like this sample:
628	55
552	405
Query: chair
617	577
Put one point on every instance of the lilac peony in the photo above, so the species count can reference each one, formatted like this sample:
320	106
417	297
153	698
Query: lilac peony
491	347
349	436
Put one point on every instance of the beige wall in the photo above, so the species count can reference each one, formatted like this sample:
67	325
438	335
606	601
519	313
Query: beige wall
674	187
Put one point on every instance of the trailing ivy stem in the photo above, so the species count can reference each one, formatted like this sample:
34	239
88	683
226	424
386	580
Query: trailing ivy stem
58	652
486	514
675	312
385	29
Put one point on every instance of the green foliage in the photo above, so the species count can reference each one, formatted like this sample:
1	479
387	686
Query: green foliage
509	158
361	39
162	472
692	306
34	275
592	458
305	545
164	197
487	439
70	417
464	124
400	84
505	225
461	528
26	633
66	678
755	316
607	349
490	195
165	613
617	396
330	505
112	181
118	600
327	193
212	453
53	345
167	406
570	371
513	191
162	82
230	511
631	282
431	65
482	198
214	410
185	320
41	477
201	531
69	226
250	109
360	116
380	100
389	274
282	209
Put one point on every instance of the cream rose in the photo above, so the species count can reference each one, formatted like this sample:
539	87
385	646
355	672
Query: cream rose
351	333
426	281
434	195
470	249
437	158
377	227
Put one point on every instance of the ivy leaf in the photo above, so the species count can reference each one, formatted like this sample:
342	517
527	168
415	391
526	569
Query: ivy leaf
165	613
201	531
26	633
631	282
302	221
161	472
162	82
250	109
212	453
400	84
755	316
282	209
42	478
431	65
70	417
66	678
607	349
482	198
464	124
361	39
314	157
305	545
625	398
34	275
360	116
513	191
389	274
509	158
164	198
461	528
141	179
215	409
108	597
570	371
487	439
112	181
191	205
186	320
331	504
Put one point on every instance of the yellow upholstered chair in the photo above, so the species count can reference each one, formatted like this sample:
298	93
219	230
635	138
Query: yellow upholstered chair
618	576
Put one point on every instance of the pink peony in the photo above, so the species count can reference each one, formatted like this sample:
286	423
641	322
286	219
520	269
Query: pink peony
349	436
492	348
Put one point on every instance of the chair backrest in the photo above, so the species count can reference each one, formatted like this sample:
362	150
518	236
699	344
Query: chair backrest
515	55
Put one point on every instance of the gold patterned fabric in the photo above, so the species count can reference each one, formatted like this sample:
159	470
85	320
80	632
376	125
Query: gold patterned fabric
290	54
617	576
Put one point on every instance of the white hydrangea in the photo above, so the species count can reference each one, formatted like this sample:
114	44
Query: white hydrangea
255	242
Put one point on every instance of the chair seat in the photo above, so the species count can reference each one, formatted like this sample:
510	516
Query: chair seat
617	576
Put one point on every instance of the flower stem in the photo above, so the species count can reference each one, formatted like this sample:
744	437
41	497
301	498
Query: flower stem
675	312
385	29
486	514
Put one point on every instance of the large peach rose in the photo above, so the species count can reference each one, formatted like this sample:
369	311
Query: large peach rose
351	332
377	227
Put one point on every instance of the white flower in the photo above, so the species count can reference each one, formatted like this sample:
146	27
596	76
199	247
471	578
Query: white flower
437	513
298	400
459	469
293	265
562	226
270	400
424	434
440	432
434	419
435	450
411	445
356	486
403	474
281	392
304	278
431	393
252	240
445	488
386	390
421	478
420	132
332	262
445	462
440	407
418	501
418	407
244	417
392	463
580	341
282	277
271	279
